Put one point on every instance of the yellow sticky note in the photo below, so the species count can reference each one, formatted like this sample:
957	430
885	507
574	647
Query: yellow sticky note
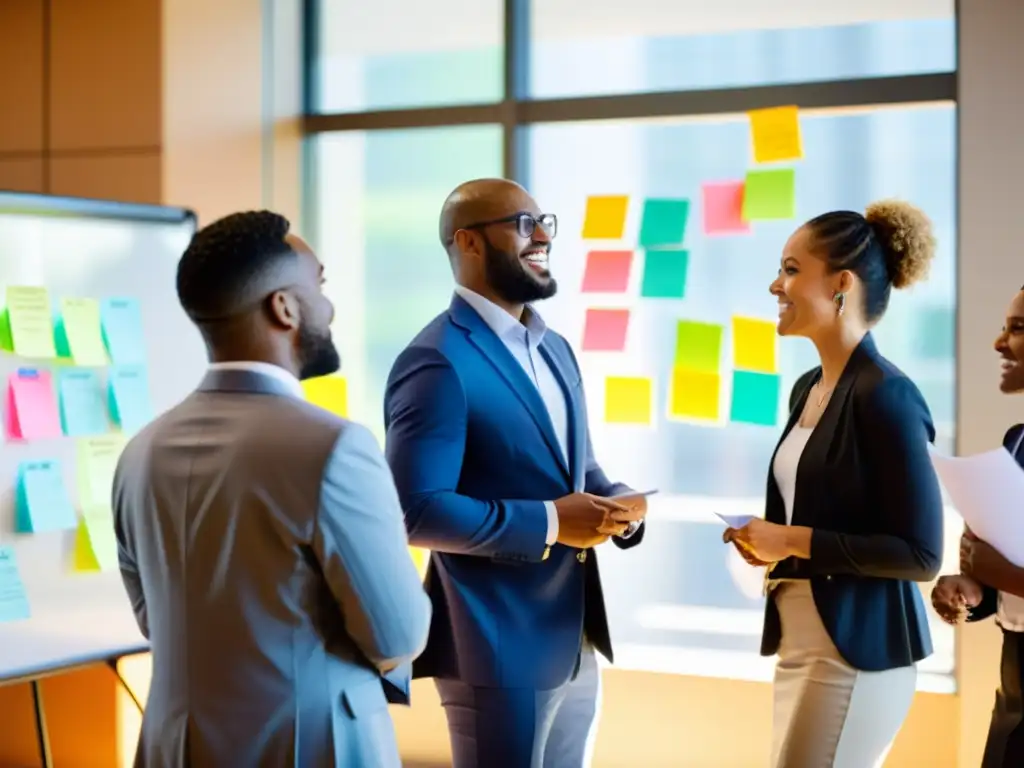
420	557
776	134
328	392
627	400
31	318
81	319
605	218
97	461
694	395
754	345
95	542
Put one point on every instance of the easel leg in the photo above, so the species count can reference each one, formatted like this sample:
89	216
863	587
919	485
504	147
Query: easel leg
41	733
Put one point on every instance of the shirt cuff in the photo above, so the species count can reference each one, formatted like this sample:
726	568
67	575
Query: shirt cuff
633	528
552	523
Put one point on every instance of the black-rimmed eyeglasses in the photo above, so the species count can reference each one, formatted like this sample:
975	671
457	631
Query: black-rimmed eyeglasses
526	223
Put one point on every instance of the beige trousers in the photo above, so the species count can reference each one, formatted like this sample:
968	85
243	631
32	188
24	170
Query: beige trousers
826	713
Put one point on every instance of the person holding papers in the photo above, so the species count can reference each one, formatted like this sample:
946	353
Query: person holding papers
853	508
988	584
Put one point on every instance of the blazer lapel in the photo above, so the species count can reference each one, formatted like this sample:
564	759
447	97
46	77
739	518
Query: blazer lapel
576	421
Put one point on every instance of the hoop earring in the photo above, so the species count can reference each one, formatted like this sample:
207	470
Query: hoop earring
840	300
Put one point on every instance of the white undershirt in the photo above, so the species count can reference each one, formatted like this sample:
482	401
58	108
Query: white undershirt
787	459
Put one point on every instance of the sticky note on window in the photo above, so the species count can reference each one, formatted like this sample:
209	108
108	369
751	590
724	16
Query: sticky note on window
42	502
607	271
80	326
723	208
96	463
769	195
121	323
83	408
776	134
754	345
694	395
328	392
31	318
699	346
605	217
604	330
131	407
13	598
32	412
627	400
665	274
95	542
755	398
420	558
663	222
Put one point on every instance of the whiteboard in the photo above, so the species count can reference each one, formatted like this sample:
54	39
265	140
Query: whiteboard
85	249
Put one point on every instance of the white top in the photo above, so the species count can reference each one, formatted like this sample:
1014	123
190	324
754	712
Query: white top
787	459
1010	613
522	340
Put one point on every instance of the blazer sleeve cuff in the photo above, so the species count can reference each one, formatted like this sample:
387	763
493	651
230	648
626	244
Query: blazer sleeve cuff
827	554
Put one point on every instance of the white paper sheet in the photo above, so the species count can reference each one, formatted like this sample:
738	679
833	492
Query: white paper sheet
987	490
735	521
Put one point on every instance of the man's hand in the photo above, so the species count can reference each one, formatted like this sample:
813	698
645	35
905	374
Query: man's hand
636	509
584	520
979	560
952	596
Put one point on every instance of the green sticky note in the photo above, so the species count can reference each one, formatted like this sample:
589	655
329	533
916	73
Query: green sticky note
664	222
31	318
81	326
665	274
755	398
6	342
698	346
770	195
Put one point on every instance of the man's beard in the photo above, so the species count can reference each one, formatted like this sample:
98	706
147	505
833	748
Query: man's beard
317	353
508	278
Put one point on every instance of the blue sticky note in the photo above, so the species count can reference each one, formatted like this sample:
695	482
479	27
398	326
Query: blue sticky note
43	503
13	600
121	323
755	398
82	408
130	404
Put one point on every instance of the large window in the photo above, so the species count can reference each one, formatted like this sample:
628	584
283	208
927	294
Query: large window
640	101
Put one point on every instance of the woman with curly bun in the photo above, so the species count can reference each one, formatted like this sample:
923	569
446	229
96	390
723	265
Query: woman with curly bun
853	510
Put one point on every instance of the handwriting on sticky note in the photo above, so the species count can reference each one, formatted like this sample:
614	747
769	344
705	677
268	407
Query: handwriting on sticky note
755	345
130	404
32	405
694	395
97	461
664	222
607	271
665	274
83	409
81	324
13	598
95	542
121	323
627	400
769	195
755	398
604	330
42	501
31	318
605	217
723	208
329	393
775	133
699	346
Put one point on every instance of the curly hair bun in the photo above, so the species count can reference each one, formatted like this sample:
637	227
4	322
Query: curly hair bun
905	234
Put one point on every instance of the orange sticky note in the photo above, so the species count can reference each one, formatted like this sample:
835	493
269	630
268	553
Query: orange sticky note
607	271
605	218
776	134
694	395
328	392
604	330
754	345
627	400
32	412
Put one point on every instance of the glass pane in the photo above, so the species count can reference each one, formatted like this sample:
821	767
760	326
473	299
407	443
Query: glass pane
406	54
688	604
378	200
650	45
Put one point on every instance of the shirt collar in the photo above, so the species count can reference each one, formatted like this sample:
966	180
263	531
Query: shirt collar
501	322
267	369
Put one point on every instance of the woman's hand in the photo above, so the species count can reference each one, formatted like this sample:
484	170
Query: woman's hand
745	554
954	595
763	541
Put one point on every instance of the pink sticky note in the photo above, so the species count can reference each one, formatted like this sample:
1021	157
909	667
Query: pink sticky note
607	271
604	330
32	405
723	207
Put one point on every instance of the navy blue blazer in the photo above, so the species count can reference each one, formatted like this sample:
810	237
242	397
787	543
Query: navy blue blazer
475	456
866	486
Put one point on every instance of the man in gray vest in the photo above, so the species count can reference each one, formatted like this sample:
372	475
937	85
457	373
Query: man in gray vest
260	538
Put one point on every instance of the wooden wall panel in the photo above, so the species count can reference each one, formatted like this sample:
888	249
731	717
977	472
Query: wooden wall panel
132	178
21	76
22	174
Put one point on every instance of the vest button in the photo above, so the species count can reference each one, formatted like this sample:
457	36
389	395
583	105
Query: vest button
582	555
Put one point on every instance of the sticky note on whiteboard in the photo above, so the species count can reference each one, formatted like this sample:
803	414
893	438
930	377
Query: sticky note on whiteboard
13	598
42	501
329	393
80	319
128	394
31	321
32	412
121	322
775	133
